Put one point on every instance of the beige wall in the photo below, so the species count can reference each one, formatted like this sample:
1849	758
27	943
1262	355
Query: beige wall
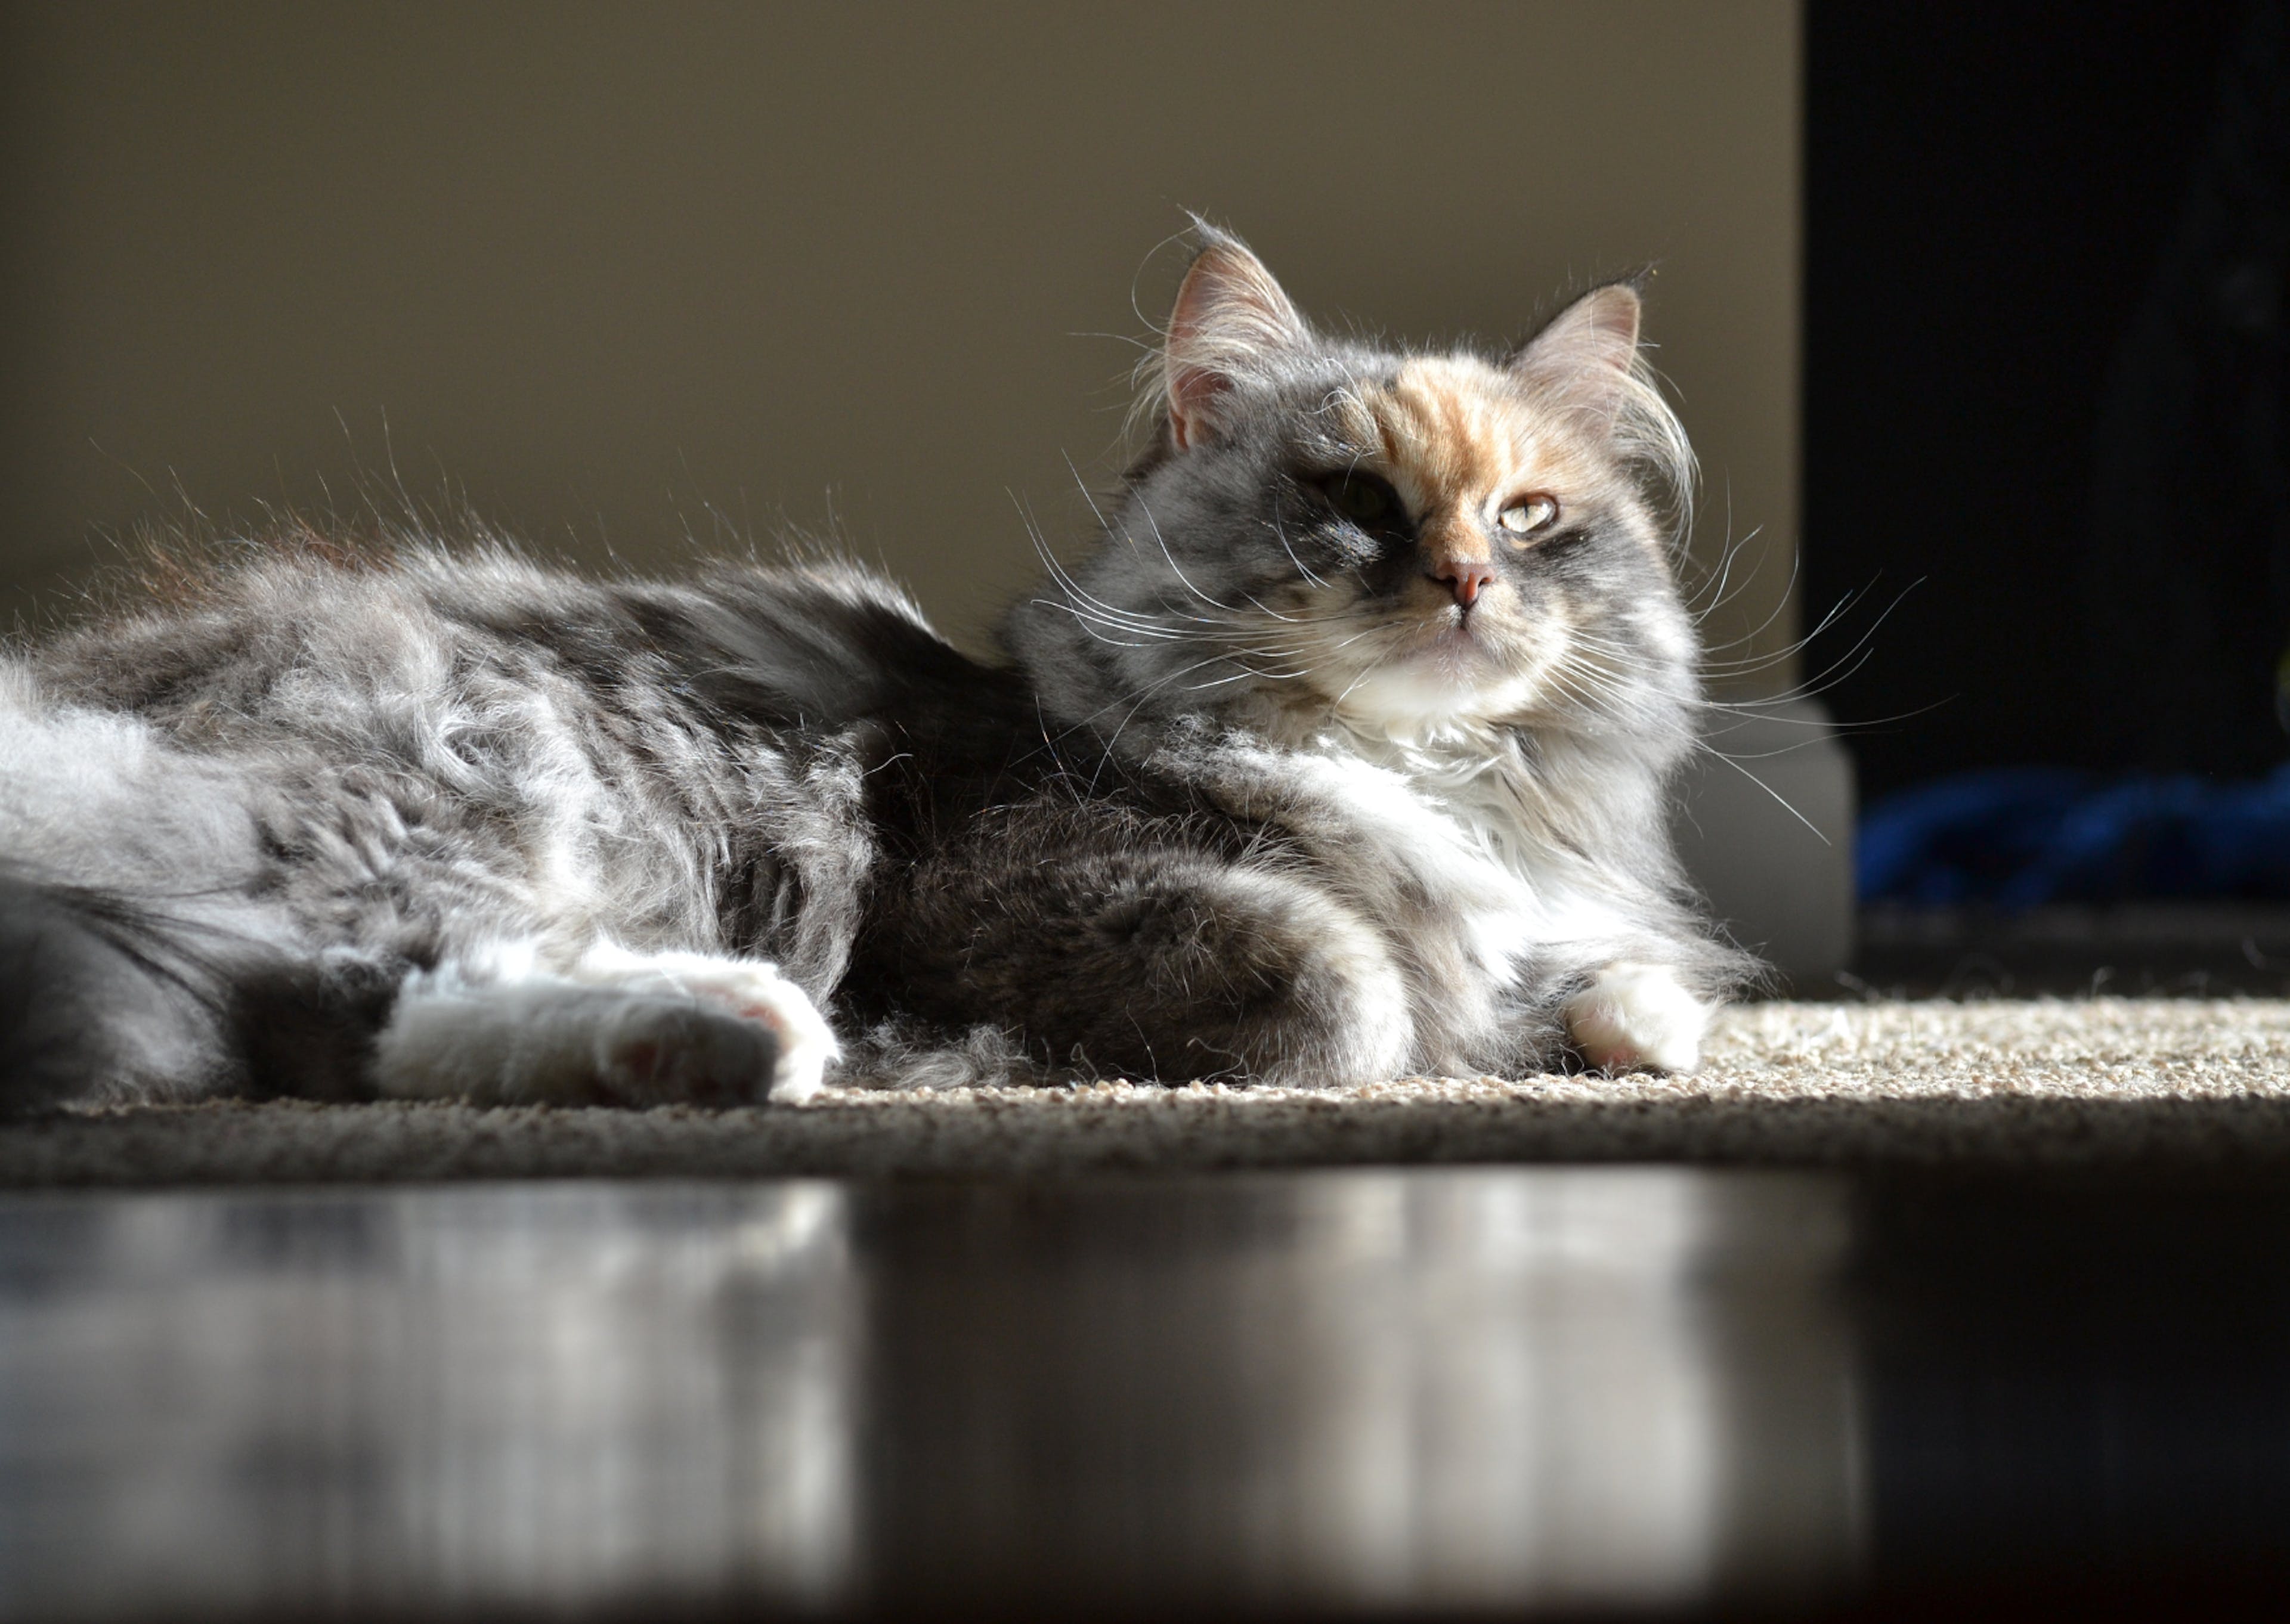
612	271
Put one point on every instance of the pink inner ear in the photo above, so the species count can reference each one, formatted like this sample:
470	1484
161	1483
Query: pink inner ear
1584	356
1191	389
1614	315
1229	316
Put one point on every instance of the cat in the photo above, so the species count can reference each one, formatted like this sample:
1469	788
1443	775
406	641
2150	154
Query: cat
1341	756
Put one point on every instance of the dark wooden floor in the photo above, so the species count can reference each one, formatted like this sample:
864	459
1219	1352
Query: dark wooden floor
1398	1393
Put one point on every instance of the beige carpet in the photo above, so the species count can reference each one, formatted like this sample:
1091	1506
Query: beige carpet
2083	1081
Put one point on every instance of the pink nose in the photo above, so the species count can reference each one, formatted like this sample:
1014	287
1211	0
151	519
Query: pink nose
1466	578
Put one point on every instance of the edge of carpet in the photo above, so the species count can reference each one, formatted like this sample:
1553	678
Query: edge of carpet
2084	1083
295	1143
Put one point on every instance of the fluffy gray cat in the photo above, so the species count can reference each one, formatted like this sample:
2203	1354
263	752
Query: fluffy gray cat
1341	756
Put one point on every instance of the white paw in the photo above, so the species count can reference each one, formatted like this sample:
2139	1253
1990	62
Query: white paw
753	993
658	1050
1636	1015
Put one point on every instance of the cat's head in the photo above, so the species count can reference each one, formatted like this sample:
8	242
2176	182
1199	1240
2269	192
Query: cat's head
1408	543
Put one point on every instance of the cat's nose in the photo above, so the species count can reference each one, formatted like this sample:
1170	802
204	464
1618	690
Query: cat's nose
1466	578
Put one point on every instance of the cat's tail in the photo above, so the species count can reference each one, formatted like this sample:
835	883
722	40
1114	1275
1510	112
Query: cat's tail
106	998
101	998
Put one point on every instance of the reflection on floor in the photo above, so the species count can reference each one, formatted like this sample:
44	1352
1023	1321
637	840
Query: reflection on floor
1645	1389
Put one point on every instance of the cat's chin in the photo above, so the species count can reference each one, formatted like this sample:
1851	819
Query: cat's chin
1445	648
1455	683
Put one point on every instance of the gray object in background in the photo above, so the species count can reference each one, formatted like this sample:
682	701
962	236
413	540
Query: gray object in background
1780	880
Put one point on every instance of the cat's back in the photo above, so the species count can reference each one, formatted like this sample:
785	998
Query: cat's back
347	651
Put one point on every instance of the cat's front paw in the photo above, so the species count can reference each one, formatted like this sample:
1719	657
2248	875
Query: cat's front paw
1634	1016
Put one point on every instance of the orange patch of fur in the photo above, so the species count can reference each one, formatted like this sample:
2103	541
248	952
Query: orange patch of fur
1459	442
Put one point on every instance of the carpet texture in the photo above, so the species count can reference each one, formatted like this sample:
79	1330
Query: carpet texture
2051	1082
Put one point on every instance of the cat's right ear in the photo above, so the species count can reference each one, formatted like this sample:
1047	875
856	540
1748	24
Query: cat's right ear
1583	359
1231	320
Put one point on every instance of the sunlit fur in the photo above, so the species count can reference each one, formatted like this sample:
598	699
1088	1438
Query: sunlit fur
1255	796
1504	770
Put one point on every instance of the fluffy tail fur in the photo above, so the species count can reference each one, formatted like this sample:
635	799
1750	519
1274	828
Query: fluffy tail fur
94	987
106	998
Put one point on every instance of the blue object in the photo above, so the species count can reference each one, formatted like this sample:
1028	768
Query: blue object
2019	836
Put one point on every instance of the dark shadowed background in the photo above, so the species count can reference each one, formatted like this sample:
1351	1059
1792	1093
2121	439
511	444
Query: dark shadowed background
2046	375
623	275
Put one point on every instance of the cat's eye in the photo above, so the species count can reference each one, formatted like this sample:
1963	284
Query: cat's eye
1528	514
1365	500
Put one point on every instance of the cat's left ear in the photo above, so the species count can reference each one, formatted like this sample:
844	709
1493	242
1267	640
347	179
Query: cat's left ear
1232	321
1581	361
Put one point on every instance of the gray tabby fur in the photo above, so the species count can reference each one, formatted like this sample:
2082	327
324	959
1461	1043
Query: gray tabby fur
247	829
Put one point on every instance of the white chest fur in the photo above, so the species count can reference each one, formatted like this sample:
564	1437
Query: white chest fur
1467	831
1461	827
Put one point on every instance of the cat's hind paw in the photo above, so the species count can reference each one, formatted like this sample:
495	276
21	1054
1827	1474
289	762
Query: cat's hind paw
1637	1016
797	1037
675	1051
629	1028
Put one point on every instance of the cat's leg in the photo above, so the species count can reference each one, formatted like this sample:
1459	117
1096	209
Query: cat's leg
1635	1015
633	1029
1166	965
1312	994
